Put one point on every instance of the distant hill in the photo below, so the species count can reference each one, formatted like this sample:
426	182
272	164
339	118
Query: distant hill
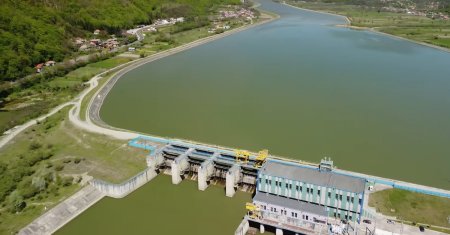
33	31
423	5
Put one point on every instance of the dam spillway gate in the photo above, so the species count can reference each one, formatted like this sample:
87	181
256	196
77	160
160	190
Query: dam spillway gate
206	165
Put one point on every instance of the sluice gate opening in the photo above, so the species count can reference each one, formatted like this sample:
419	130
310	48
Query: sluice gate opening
234	170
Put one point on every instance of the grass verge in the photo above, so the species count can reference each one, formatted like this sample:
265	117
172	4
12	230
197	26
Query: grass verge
414	207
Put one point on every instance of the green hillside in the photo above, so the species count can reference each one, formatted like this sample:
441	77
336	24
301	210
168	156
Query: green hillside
32	31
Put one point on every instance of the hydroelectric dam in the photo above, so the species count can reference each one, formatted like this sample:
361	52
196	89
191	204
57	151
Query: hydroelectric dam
289	196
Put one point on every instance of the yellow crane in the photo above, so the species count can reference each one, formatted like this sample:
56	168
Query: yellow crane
242	156
261	158
253	210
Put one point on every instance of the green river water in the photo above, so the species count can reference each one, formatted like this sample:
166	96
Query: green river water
297	86
162	208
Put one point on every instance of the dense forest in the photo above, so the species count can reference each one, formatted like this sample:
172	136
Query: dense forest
33	31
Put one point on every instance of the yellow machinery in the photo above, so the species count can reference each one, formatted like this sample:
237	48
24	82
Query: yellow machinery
261	158
253	210
242	156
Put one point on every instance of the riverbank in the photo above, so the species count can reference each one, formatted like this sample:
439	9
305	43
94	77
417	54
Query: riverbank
415	29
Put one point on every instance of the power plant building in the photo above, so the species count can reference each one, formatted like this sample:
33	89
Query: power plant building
313	193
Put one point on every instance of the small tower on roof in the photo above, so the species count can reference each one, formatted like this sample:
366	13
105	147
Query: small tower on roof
326	164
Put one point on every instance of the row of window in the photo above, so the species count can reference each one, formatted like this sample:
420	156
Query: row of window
338	215
284	212
339	197
310	190
289	186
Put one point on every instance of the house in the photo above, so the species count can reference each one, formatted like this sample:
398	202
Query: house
79	41
39	67
50	63
84	47
95	42
131	49
111	43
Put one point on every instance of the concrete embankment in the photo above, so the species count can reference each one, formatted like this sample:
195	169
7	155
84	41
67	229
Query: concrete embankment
64	212
60	215
123	189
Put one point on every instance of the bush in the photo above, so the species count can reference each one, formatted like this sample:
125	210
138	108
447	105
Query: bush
59	167
34	146
77	160
19	206
67	181
27	190
79	179
162	37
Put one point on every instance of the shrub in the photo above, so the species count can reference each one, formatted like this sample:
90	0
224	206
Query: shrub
59	167
19	206
67	181
34	146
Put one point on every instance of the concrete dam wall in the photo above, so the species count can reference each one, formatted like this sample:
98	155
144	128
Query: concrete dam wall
123	189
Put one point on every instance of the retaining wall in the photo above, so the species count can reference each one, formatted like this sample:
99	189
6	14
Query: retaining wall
123	189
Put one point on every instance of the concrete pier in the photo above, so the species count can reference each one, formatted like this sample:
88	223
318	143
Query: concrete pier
179	165
243	227
278	231
261	228
205	171
155	160
232	179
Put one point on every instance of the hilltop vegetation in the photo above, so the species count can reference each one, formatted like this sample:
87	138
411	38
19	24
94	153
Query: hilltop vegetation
419	20
33	31
422	5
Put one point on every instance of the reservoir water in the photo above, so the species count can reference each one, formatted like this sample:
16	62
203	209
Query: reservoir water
304	89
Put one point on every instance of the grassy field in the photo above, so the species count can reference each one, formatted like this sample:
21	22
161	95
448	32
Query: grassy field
414	207
418	28
74	156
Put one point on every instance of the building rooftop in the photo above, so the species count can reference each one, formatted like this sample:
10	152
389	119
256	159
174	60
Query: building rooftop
314	176
290	203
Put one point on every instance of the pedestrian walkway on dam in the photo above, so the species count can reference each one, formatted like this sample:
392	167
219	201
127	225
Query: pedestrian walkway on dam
63	212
